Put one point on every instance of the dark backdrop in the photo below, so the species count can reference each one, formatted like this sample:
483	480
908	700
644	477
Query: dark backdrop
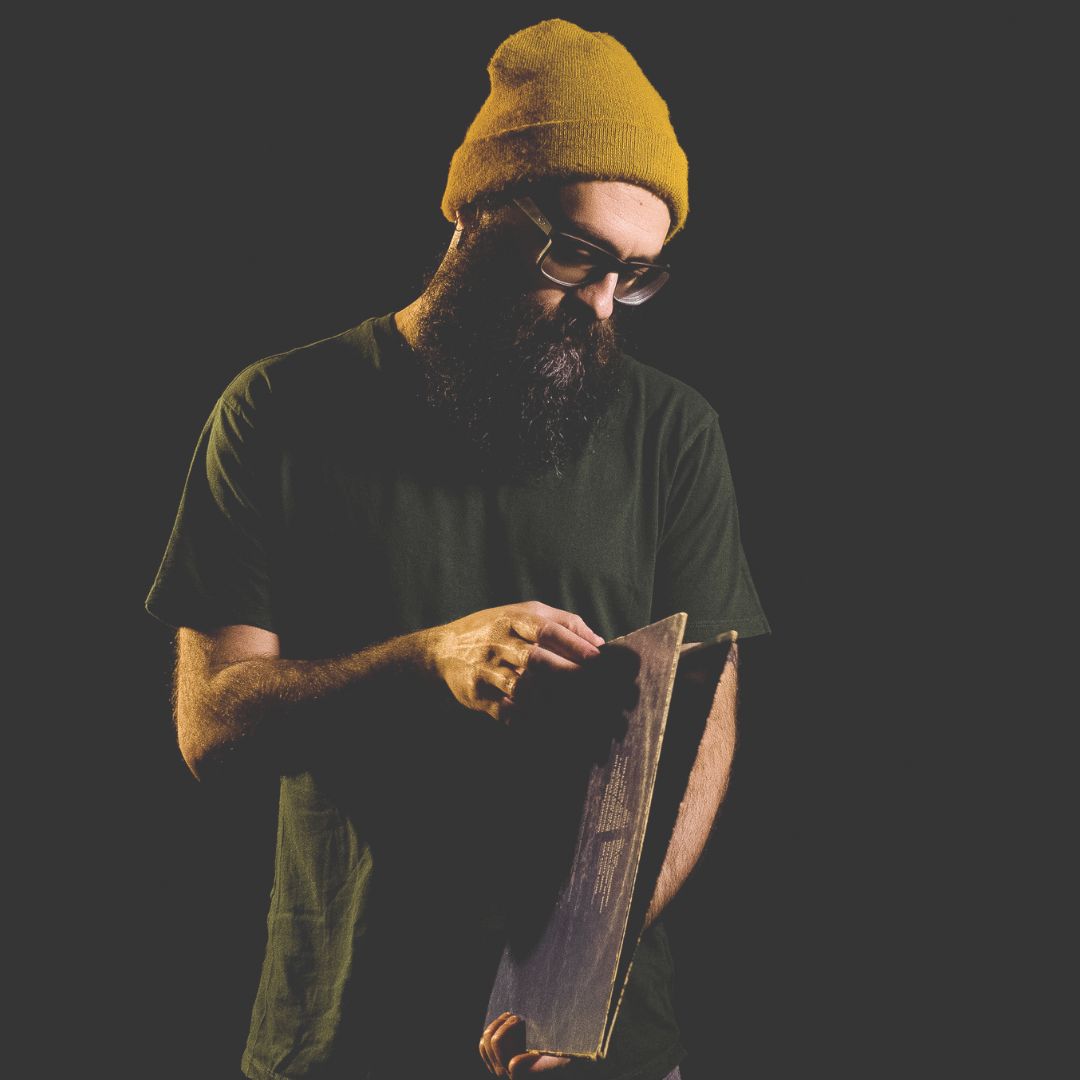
259	183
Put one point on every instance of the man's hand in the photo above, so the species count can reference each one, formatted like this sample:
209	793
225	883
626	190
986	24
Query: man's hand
482	656
503	1050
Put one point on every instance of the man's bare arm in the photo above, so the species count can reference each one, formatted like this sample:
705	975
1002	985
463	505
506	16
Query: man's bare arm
704	792
233	689
232	685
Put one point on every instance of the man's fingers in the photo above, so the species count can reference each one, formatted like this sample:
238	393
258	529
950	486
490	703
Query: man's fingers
531	1063
507	1042
486	1051
522	1065
527	626
496	1024
485	1056
545	659
534	686
576	624
566	643
532	639
501	677
502	1050
530	626
515	652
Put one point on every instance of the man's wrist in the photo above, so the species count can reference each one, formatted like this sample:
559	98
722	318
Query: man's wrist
425	653
411	656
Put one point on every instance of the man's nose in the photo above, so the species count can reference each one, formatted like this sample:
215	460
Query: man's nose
599	295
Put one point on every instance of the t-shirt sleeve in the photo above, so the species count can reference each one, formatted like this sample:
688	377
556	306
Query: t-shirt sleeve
216	570
700	566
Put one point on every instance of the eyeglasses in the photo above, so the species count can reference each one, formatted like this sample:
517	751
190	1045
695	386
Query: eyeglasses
571	261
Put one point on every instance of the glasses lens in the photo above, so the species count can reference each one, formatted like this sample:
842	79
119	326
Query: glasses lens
639	286
570	264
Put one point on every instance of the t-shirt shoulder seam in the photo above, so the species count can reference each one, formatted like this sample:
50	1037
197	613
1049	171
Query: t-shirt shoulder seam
690	392
259	367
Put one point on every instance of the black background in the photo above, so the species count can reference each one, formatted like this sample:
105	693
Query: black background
253	184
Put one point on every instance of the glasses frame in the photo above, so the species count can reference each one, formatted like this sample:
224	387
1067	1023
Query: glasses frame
607	263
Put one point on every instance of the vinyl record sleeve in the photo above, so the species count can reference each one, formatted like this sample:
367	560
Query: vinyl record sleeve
568	982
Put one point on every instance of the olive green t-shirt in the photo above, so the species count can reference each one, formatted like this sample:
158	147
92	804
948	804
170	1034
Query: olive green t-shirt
324	503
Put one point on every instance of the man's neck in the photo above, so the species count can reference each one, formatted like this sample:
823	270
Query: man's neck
405	321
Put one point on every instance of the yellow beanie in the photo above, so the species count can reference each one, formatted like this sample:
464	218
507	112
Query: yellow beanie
567	102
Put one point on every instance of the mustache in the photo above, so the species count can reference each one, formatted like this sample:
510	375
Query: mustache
521	343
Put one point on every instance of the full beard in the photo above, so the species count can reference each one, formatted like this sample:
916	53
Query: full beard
524	387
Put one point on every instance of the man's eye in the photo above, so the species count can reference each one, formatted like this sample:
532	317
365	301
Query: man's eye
575	252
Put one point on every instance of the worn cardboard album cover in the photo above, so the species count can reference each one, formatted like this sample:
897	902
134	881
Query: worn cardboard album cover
570	942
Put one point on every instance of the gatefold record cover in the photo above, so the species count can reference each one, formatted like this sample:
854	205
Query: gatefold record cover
569	946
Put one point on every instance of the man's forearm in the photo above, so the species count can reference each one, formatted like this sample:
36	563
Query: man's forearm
222	708
704	792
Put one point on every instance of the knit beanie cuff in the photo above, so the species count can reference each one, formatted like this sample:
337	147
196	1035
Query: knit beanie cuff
585	149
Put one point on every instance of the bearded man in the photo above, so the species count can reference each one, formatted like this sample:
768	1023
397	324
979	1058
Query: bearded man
387	536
